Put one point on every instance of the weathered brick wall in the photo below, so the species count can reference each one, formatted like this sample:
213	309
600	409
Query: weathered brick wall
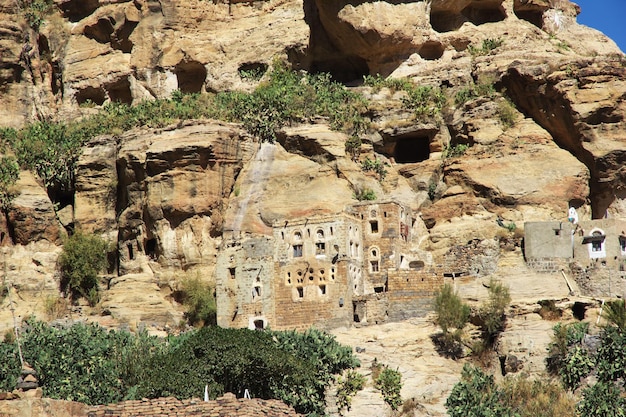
548	265
477	258
312	293
226	406
411	293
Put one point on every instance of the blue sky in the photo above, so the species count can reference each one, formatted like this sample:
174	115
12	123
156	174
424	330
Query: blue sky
608	16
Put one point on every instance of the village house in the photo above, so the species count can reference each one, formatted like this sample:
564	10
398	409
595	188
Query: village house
326	271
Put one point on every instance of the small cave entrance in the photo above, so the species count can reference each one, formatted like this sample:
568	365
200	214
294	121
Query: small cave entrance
120	92
445	21
191	76
579	310
412	149
343	69
535	17
151	248
101	30
488	13
95	95
76	10
252	71
120	40
432	50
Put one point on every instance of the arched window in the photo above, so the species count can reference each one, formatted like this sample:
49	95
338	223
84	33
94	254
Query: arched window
596	243
374	259
320	244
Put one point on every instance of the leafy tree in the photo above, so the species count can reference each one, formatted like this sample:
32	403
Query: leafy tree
199	298
452	315
576	366
492	312
82	260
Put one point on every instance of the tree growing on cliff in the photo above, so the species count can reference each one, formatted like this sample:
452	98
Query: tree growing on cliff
83	258
451	314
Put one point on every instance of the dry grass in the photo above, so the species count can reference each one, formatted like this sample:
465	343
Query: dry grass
538	398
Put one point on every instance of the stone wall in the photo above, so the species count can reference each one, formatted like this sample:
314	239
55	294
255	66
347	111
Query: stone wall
548	265
411	293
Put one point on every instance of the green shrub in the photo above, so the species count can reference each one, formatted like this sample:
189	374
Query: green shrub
365	194
484	88
353	147
492	313
477	395
375	165
452	315
487	46
389	382
507	113
425	101
563	337
615	314
83	258
611	355
455	151
35	11
199	299
9	173
348	385
377	82
601	400
576	366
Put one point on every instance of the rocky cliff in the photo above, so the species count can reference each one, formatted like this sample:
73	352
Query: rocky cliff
548	133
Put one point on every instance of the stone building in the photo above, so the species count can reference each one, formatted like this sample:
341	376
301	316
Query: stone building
550	245
330	271
593	252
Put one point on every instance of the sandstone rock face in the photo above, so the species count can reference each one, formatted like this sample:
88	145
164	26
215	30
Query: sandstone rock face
168	198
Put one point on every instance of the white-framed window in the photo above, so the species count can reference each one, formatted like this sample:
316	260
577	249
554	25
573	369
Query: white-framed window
596	243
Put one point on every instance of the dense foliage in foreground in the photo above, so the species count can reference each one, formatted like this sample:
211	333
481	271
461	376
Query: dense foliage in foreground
589	377
89	364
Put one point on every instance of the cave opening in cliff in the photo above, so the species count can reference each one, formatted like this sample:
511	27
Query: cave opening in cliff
100	31
119	91
78	9
412	149
343	69
94	95
432	50
252	71
532	16
120	39
578	310
479	15
191	76
444	21
151	248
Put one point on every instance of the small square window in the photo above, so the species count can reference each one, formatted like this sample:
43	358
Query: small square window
374	266
231	271
300	292
256	292
322	289
297	251
374	226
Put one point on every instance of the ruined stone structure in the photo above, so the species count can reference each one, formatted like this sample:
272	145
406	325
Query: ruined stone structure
327	271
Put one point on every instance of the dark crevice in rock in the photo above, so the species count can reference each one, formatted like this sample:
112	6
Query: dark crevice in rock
100	31
432	50
444	21
479	14
76	10
96	95
120	39
191	76
406	147
119	91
